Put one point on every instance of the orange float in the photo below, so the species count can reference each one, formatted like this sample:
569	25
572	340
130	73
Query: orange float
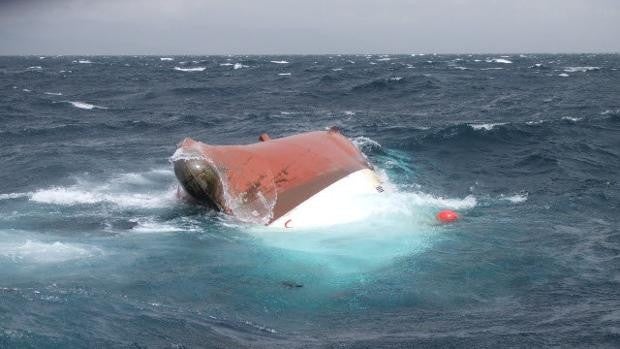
447	216
285	182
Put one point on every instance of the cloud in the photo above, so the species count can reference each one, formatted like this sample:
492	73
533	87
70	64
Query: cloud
320	26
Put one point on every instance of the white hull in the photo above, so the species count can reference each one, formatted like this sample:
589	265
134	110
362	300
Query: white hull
334	204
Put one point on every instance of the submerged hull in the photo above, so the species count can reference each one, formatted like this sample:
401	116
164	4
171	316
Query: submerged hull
288	182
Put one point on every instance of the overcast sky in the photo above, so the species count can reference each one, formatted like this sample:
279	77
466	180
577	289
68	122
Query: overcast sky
307	26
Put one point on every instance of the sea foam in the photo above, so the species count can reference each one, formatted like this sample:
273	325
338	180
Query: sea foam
44	252
11	196
76	195
499	60
84	105
516	198
580	69
190	69
486	127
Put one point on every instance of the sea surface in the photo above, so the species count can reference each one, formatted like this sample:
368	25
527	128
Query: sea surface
97	251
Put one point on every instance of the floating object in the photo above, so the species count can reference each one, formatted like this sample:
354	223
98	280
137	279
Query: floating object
295	181
447	216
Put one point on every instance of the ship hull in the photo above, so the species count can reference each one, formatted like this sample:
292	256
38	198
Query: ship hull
288	182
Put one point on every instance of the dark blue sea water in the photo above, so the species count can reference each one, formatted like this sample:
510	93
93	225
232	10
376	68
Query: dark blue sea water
96	251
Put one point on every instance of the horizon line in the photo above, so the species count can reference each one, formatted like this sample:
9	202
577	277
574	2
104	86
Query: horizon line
306	54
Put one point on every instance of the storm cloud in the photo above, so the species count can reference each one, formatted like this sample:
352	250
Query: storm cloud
298	27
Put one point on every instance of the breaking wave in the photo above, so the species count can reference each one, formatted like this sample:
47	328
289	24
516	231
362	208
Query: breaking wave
77	196
124	191
580	69
190	69
84	105
499	60
486	127
516	198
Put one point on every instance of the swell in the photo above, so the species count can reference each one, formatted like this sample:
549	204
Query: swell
396	83
530	133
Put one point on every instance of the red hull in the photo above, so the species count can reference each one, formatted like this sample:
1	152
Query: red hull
263	181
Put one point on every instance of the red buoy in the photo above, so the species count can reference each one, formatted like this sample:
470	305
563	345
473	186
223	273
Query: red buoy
447	216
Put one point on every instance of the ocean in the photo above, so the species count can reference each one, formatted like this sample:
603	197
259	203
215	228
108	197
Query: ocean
97	251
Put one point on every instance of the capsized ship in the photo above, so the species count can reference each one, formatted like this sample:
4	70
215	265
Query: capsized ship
295	181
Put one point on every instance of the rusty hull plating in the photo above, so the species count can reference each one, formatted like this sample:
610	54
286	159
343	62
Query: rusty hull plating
263	181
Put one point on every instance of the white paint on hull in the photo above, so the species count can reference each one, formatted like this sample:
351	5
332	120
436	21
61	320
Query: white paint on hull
333	204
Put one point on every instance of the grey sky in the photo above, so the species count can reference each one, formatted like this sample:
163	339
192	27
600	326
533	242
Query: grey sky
318	26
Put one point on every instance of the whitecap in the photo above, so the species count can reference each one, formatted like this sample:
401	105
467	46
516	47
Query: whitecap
226	64
571	118
10	196
190	69
35	67
486	127
384	59
53	93
535	122
164	59
337	69
239	66
610	112
84	105
396	78
580	69
260	327
499	60
284	74
516	198
78	195
349	112
84	61
564	75
280	62
26	90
